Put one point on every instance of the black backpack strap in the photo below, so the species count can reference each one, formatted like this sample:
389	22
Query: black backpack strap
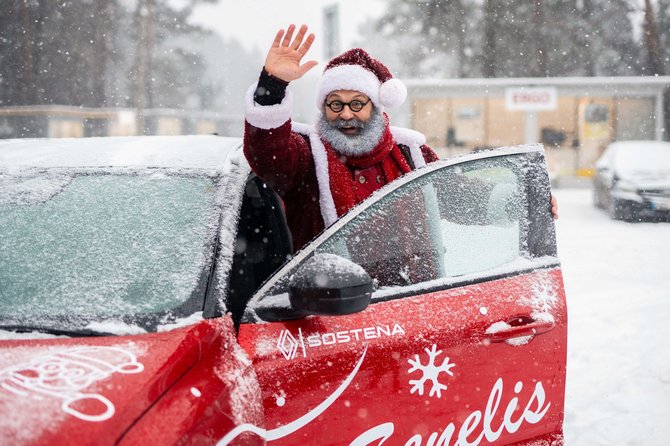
406	153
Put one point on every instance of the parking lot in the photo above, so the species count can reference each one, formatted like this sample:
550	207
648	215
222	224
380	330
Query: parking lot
618	289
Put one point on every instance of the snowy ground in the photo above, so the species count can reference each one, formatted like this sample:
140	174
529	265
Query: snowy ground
617	278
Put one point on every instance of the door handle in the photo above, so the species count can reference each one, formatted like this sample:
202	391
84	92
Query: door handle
520	327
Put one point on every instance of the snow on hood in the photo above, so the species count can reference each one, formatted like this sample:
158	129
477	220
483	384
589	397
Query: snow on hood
645	180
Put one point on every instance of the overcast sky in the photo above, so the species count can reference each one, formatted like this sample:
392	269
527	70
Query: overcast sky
255	22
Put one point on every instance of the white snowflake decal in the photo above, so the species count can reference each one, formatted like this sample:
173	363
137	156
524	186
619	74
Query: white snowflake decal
543	298
430	372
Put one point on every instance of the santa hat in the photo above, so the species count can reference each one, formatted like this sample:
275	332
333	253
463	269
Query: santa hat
357	70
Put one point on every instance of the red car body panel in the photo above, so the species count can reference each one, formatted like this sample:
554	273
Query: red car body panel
336	379
67	389
519	397
218	393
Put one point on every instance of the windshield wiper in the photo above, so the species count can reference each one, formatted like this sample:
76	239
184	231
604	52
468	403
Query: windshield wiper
74	333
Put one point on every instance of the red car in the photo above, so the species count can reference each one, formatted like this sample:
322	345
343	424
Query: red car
150	295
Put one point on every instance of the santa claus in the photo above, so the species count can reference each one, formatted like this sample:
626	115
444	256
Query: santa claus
324	170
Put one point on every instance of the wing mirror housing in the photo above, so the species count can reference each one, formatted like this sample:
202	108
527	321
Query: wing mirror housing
328	284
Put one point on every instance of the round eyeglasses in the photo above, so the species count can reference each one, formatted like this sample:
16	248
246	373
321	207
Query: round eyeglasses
354	106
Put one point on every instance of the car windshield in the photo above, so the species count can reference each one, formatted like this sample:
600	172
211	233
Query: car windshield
84	248
643	157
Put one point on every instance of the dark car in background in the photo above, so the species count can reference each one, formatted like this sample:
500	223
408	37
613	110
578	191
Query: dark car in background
632	180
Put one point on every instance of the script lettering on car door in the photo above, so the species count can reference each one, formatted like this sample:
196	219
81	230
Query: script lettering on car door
534	411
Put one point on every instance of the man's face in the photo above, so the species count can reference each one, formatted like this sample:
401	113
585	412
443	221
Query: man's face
346	114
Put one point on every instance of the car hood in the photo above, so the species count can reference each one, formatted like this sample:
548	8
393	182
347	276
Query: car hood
646	179
72	390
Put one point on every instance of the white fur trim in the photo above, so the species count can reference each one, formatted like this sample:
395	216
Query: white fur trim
408	137
326	202
267	116
348	77
412	139
302	128
392	93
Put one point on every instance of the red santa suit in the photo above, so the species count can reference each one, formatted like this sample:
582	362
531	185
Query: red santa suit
318	184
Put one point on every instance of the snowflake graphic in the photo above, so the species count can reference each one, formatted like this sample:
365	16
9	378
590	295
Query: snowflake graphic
543	298
430	372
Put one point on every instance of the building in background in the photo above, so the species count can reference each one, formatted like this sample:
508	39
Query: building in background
575	118
57	121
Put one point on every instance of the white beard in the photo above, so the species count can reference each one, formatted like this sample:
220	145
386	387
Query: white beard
367	139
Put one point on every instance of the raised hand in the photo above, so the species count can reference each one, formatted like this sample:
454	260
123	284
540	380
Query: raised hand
283	59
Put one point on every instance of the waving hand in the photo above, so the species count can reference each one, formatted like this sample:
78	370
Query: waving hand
283	59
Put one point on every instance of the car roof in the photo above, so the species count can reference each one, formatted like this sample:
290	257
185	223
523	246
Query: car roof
636	157
634	145
208	152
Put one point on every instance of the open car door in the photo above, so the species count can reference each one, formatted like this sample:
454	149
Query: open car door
464	341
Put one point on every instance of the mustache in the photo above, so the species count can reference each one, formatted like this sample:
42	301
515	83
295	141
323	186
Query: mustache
353	122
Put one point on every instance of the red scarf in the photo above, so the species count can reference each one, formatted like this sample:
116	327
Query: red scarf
386	153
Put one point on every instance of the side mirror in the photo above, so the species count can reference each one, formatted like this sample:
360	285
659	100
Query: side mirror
330	285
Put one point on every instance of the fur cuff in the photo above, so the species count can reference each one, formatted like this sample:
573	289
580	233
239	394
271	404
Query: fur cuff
267	117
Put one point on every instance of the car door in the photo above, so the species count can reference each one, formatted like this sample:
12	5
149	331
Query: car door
464	341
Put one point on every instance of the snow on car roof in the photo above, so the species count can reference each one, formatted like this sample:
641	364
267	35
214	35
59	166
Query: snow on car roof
190	152
636	144
630	156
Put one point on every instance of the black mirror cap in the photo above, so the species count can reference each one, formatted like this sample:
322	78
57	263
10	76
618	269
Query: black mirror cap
328	284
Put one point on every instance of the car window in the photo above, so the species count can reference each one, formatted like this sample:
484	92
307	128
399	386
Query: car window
103	245
262	244
454	221
458	222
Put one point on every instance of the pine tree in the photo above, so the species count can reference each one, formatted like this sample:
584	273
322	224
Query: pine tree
513	38
80	52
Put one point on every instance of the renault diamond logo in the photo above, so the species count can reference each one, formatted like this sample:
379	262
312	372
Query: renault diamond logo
288	344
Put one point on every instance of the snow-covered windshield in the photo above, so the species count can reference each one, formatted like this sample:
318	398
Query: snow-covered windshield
99	246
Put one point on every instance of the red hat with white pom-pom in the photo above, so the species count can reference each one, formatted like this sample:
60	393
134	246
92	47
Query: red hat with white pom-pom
357	70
